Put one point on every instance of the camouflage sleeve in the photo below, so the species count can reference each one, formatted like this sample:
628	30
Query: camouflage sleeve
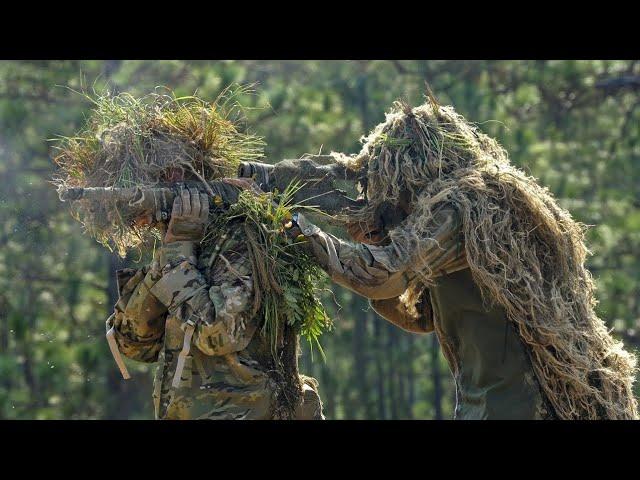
383	272
218	310
138	318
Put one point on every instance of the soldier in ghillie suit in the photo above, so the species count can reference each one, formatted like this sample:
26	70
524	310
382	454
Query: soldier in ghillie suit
456	240
200	309
200	328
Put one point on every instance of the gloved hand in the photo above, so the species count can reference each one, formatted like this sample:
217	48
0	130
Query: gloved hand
188	217
291	227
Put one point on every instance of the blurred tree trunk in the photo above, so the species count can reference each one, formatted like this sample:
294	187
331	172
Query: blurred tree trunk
380	390
359	358
402	375
437	378
370	404
328	393
109	68
31	379
391	373
4	327
411	376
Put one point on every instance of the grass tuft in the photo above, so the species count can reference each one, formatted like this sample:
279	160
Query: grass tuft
286	278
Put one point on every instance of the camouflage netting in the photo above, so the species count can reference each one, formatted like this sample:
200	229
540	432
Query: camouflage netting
129	142
525	252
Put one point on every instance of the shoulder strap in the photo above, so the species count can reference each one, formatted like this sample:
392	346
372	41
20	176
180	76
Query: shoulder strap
113	346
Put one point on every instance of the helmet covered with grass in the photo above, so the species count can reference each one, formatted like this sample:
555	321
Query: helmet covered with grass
148	141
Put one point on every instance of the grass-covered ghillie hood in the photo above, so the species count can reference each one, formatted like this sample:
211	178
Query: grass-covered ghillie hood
525	252
129	142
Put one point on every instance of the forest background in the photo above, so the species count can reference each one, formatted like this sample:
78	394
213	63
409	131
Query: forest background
574	125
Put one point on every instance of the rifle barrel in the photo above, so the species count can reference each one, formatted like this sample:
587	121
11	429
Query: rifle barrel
314	172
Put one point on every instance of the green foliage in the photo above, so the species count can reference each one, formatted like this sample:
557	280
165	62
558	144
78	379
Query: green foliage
286	278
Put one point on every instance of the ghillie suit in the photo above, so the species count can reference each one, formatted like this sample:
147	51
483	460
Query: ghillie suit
524	251
214	295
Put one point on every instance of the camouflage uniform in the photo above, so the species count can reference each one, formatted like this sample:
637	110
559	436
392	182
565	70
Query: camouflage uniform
213	362
492	371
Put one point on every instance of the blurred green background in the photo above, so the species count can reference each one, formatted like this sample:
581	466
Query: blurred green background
572	124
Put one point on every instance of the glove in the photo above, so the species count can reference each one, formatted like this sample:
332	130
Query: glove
188	217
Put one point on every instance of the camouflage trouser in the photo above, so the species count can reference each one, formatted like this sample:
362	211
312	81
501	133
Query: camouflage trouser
223	388
309	409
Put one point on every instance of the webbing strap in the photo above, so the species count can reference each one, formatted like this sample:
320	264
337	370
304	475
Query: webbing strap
182	356
113	346
333	255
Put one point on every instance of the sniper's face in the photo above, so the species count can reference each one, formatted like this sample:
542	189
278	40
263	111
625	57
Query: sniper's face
387	216
144	220
363	232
